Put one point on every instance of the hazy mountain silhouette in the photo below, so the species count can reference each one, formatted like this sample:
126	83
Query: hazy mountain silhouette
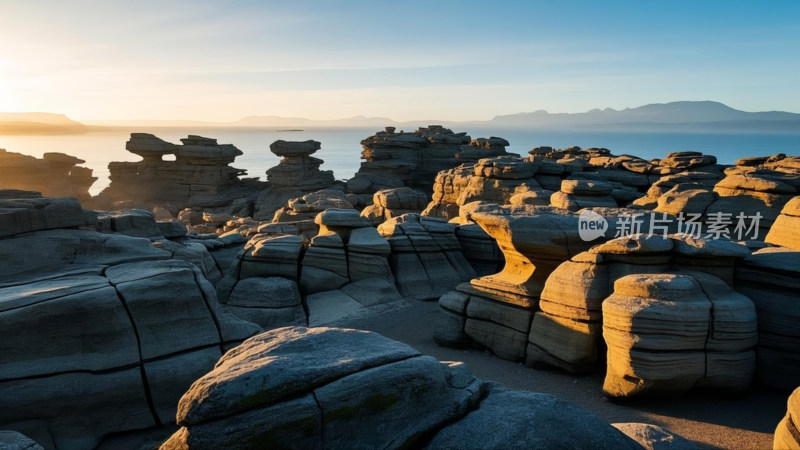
677	116
683	116
39	123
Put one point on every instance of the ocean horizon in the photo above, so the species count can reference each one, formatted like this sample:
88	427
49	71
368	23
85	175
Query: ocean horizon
341	147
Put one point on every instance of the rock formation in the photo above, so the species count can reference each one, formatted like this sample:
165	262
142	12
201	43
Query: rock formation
298	170
579	194
566	333
493	180
199	176
426	257
341	271
340	388
667	333
54	175
104	329
413	159
770	278
495	311
787	434
390	203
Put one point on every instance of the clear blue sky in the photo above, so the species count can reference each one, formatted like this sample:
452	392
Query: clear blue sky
447	60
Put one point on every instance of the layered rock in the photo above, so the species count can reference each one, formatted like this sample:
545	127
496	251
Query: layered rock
770	278
579	194
308	206
787	434
298	170
340	388
567	332
200	174
54	174
426	257
107	330
495	311
493	180
390	203
667	333
413	159
785	232
342	271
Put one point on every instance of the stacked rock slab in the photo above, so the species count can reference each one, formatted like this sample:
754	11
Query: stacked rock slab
306	207
426	257
340	388
496	311
199	176
413	159
290	280
54	175
298	169
770	278
493	180
579	194
667	333
106	331
787	434
390	203
567	332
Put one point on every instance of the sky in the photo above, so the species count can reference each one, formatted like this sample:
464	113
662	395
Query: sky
406	60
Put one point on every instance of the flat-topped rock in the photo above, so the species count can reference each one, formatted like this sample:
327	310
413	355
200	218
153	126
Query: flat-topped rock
294	148
54	175
586	187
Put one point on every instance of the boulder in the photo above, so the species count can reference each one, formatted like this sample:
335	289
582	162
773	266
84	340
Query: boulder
787	435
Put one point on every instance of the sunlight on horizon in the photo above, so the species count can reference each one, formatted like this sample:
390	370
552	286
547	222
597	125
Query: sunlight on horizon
96	61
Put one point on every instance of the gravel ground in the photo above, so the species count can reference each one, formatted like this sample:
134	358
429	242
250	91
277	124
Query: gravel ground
743	422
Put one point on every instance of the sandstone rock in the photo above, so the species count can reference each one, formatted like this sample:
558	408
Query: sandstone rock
352	381
426	258
786	434
11	440
298	170
412	158
770	278
653	437
509	419
389	203
785	231
269	302
54	175
199	176
666	334
34	213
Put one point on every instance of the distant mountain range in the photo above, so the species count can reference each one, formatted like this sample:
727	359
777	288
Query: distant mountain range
39	123
685	116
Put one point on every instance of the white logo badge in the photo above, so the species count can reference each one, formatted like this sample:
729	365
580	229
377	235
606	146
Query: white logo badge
591	225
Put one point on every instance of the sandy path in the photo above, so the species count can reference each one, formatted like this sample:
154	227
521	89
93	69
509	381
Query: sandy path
743	422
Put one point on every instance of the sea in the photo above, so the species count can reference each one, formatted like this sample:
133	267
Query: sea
341	147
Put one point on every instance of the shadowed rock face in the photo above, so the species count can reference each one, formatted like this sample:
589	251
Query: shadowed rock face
341	388
54	175
101	331
200	174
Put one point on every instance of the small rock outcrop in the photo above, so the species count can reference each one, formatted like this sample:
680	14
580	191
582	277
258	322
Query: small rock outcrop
53	175
341	388
787	434
390	203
